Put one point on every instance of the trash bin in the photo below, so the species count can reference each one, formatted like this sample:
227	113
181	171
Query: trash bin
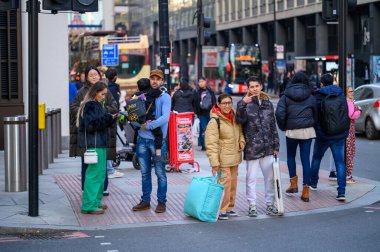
15	155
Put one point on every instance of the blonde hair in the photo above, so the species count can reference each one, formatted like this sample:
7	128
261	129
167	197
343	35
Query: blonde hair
90	96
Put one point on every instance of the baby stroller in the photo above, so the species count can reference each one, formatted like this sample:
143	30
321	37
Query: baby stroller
128	152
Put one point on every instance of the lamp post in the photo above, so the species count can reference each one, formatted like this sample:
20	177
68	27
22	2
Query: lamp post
163	21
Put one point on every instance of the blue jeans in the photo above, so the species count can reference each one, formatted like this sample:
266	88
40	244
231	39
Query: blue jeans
203	121
291	148
83	175
110	169
337	150
145	153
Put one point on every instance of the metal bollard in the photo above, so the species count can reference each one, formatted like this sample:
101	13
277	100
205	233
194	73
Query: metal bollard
59	131
49	136
54	133
15	141
45	148
41	154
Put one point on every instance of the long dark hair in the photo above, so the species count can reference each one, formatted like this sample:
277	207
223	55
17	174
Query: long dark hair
90	96
184	85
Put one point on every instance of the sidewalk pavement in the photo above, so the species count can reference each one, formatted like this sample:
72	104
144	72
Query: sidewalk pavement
60	198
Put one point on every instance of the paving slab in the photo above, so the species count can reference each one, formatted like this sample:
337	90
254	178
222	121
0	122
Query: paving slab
60	198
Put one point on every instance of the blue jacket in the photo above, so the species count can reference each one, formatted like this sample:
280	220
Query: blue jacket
72	92
297	108
94	124
320	94
162	113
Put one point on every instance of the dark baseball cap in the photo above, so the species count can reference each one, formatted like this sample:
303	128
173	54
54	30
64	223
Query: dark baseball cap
156	72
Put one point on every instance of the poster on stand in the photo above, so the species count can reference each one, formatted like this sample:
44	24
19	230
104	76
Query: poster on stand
185	139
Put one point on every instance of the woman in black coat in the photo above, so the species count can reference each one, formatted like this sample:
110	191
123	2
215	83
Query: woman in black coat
296	114
93	122
183	99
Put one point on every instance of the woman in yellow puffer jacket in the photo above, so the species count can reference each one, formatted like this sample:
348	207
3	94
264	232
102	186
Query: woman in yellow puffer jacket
224	145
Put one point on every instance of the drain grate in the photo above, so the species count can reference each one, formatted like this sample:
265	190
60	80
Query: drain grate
53	236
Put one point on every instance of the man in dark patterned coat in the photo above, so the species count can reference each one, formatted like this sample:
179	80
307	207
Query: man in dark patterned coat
255	112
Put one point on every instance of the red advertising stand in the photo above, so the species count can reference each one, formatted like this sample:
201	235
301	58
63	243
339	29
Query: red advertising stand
181	140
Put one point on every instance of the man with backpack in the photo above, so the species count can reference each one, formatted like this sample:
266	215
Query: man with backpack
204	100
331	130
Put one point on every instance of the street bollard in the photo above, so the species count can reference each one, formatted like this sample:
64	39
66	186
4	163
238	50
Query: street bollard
49	136
41	135
45	148
15	154
59	131
54	133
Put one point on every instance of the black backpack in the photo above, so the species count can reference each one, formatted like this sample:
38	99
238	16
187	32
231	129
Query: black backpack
334	115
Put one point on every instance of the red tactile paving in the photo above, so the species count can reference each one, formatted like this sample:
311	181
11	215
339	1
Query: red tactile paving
120	202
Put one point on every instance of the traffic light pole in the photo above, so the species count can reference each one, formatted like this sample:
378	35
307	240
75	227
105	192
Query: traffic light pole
33	7
163	20
342	31
199	40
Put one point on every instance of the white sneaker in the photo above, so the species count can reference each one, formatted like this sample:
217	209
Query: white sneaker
116	174
252	211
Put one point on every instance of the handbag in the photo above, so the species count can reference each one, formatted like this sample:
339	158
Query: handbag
204	198
90	156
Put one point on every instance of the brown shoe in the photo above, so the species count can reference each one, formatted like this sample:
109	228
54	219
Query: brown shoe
305	193
161	208
96	211
103	206
293	188
141	206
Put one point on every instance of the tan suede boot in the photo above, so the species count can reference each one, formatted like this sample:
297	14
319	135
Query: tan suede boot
305	193
293	188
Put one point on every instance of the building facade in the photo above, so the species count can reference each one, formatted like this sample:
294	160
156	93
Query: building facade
53	54
295	24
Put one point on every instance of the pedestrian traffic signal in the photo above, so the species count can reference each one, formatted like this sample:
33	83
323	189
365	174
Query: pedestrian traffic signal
70	5
204	36
330	10
9	5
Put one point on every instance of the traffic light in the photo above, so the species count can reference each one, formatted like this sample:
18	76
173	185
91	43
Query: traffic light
9	5
56	5
85	5
70	5
204	36
351	4
330	10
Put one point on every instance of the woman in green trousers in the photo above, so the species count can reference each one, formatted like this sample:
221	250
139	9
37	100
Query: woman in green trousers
93	123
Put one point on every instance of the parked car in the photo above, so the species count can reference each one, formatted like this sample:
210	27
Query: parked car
368	98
